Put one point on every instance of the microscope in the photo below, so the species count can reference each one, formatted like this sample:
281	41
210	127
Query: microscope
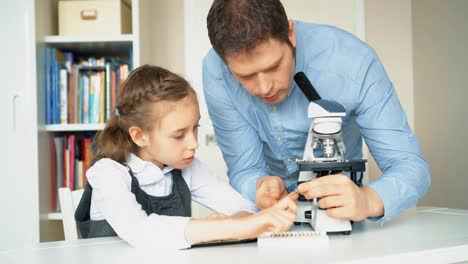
324	154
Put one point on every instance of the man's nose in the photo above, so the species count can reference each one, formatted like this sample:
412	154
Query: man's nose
264	84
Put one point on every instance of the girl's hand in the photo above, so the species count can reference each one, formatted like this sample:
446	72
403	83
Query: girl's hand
279	217
289	202
243	225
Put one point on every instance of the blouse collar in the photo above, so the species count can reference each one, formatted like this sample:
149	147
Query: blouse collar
146	172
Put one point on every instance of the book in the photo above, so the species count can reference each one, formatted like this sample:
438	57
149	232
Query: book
66	161
63	96
102	97
108	91
58	142
293	239
80	179
113	90
48	86
87	157
71	157
71	96
57	62
86	98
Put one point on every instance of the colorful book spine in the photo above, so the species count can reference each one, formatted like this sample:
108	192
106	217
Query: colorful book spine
102	97
71	96
108	91
71	158
58	171
63	96
48	85
87	98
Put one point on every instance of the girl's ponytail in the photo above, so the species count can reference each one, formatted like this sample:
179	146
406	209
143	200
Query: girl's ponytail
114	142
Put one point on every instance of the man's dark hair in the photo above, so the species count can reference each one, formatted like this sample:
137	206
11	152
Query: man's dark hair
240	25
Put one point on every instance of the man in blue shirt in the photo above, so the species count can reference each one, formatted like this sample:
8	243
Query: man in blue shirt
260	115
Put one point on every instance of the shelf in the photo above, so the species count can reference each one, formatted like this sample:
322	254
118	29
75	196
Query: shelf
74	127
87	39
92	44
54	216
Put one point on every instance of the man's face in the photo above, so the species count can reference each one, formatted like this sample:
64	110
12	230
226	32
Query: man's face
266	71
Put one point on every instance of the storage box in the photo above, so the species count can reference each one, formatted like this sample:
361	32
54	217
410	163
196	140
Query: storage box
94	17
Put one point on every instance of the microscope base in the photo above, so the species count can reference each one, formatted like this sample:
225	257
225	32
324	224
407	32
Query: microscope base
323	223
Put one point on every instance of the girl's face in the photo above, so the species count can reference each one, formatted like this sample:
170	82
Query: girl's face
174	138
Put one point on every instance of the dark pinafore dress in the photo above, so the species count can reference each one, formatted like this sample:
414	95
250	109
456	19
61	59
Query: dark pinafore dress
178	203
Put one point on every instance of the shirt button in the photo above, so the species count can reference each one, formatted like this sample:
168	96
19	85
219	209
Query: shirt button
279	139
273	108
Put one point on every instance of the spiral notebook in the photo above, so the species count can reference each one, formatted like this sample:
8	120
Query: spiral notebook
294	239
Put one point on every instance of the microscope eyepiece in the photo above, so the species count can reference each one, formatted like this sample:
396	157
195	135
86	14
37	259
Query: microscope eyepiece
306	86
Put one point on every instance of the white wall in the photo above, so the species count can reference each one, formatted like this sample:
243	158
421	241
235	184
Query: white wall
441	91
162	34
340	13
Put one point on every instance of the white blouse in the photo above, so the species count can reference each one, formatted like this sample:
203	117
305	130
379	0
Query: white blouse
112	200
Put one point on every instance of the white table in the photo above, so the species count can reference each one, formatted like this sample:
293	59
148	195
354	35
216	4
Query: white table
432	235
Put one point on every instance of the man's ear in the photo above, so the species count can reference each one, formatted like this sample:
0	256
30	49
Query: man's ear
292	32
138	136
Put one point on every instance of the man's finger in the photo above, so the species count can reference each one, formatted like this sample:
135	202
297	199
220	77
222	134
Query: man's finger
338	212
262	188
324	180
323	191
274	193
331	201
275	188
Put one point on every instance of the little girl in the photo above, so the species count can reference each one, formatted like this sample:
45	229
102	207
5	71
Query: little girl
145	174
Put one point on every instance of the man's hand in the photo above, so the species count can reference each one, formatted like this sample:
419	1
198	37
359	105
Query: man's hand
270	189
342	198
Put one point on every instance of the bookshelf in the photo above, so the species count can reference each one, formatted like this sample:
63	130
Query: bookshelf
73	127
125	46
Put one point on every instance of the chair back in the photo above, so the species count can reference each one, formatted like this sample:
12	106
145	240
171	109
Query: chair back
69	201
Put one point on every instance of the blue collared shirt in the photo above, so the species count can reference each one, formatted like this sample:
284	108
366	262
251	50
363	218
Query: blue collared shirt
258	139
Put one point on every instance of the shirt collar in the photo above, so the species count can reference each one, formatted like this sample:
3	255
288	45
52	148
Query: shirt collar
299	48
299	57
146	172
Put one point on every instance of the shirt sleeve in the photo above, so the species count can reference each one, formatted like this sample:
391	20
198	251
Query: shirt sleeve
239	142
384	126
112	196
209	190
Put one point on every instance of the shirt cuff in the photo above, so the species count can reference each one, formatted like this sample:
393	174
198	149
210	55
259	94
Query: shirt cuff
248	185
388	191
164	232
179	231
